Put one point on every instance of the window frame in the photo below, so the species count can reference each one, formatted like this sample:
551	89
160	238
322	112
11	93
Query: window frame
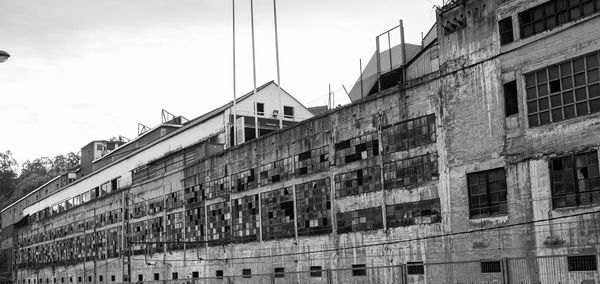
485	210
574	263
504	31
575	182
562	91
293	113
262	106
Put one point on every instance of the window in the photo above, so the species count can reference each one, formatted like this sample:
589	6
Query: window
100	278
156	276
415	268
140	277
554	13
195	275
487	193
511	101
358	182
79	279
316	271
414	213
582	263
245	226
243	180
356	149
288	112
278	214
360	220
260	109
575	180
409	134
175	276
411	171
491	267
279	272
218	220
506	31
277	171
359	270
313	203
312	161
112	278
219	274
247	273
563	91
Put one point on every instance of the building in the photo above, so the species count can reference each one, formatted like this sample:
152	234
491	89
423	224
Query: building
480	167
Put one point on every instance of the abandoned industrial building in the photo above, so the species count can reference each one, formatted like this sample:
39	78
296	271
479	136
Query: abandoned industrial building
471	157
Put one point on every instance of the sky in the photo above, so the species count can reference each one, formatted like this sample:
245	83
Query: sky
83	70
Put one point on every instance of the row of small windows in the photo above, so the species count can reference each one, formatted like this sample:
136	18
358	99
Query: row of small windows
574	264
547	16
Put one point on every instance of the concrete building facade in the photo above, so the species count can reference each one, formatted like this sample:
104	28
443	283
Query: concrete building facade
481	169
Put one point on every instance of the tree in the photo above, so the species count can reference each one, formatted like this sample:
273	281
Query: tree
8	174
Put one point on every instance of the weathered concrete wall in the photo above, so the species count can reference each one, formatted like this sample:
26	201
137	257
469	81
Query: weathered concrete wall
471	134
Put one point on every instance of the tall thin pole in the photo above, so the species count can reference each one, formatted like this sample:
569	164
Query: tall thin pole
234	80
279	111
378	64
329	97
390	50
254	68
362	94
403	52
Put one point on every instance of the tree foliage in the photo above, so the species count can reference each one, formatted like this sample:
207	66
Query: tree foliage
32	175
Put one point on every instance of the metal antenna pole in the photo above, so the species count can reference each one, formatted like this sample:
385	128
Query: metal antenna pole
254	68
362	94
403	43
378	64
280	110
234	80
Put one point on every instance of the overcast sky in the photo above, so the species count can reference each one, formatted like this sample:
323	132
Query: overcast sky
83	70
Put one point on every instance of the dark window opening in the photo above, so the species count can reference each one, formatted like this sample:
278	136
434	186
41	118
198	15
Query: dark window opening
175	276
140	277
260	108
506	31
511	101
195	275
575	180
582	263
113	278
316	271
487	193
415	268
219	274
359	270
247	273
288	112
101	278
156	276
279	272
491	267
